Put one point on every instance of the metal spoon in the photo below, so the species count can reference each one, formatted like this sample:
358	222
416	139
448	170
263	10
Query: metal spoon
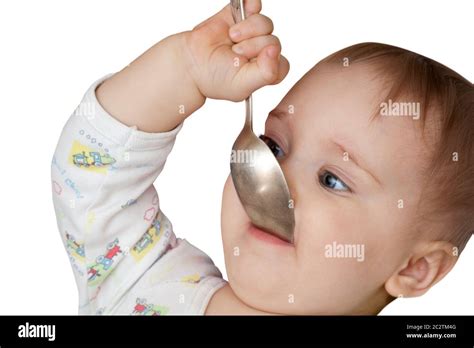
257	176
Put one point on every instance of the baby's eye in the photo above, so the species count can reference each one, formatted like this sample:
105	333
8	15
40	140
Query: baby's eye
273	146
329	180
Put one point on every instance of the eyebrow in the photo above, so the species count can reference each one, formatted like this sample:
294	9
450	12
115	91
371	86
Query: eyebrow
353	156
356	159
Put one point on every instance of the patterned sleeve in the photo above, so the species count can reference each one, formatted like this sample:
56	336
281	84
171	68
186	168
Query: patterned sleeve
106	206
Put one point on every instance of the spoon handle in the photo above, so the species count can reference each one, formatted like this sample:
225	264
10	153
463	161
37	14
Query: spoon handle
238	14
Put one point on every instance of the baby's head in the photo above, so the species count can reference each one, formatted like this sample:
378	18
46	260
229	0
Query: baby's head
377	146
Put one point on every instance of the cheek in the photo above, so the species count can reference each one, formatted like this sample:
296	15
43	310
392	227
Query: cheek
393	230
233	216
323	219
228	201
327	226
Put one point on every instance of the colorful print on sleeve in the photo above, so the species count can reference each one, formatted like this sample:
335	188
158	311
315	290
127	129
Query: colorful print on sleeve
94	157
75	249
87	158
103	263
148	240
144	308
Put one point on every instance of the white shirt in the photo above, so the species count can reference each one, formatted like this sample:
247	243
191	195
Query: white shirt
124	254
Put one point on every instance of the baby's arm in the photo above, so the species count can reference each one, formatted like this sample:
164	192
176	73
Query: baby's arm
116	143
170	81
106	205
155	92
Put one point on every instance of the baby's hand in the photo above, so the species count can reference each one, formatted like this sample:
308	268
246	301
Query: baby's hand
172	79
230	61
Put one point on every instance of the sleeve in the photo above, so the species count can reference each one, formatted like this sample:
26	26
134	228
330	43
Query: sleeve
106	206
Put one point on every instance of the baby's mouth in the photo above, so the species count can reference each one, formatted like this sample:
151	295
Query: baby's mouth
267	236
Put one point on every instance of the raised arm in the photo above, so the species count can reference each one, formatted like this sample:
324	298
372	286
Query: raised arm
217	59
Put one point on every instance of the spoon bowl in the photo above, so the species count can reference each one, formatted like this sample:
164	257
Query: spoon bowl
261	186
257	175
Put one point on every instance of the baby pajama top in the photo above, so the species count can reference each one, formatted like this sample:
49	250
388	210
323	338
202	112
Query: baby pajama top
125	256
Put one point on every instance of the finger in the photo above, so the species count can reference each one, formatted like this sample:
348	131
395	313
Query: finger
252	7
251	48
269	68
255	25
283	69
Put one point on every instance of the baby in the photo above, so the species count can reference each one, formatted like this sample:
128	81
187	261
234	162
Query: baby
376	144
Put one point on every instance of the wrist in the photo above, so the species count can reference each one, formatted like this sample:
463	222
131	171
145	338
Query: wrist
183	71
155	92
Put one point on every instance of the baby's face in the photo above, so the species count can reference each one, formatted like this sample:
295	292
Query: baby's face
355	181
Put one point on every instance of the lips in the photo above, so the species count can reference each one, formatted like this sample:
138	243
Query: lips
267	237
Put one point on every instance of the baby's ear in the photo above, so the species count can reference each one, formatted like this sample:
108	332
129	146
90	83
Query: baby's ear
422	270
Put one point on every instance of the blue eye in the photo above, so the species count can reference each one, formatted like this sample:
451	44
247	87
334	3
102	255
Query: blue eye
273	146
329	180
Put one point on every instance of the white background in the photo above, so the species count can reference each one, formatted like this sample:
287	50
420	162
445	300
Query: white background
52	50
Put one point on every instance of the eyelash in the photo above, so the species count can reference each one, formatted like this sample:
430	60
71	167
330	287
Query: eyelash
274	147
325	174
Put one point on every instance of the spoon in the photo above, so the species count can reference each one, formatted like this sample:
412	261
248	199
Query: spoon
257	176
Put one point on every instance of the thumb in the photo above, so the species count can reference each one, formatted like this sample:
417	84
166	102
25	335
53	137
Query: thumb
267	69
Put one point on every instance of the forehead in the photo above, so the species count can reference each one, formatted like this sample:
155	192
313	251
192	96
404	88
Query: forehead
342	104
